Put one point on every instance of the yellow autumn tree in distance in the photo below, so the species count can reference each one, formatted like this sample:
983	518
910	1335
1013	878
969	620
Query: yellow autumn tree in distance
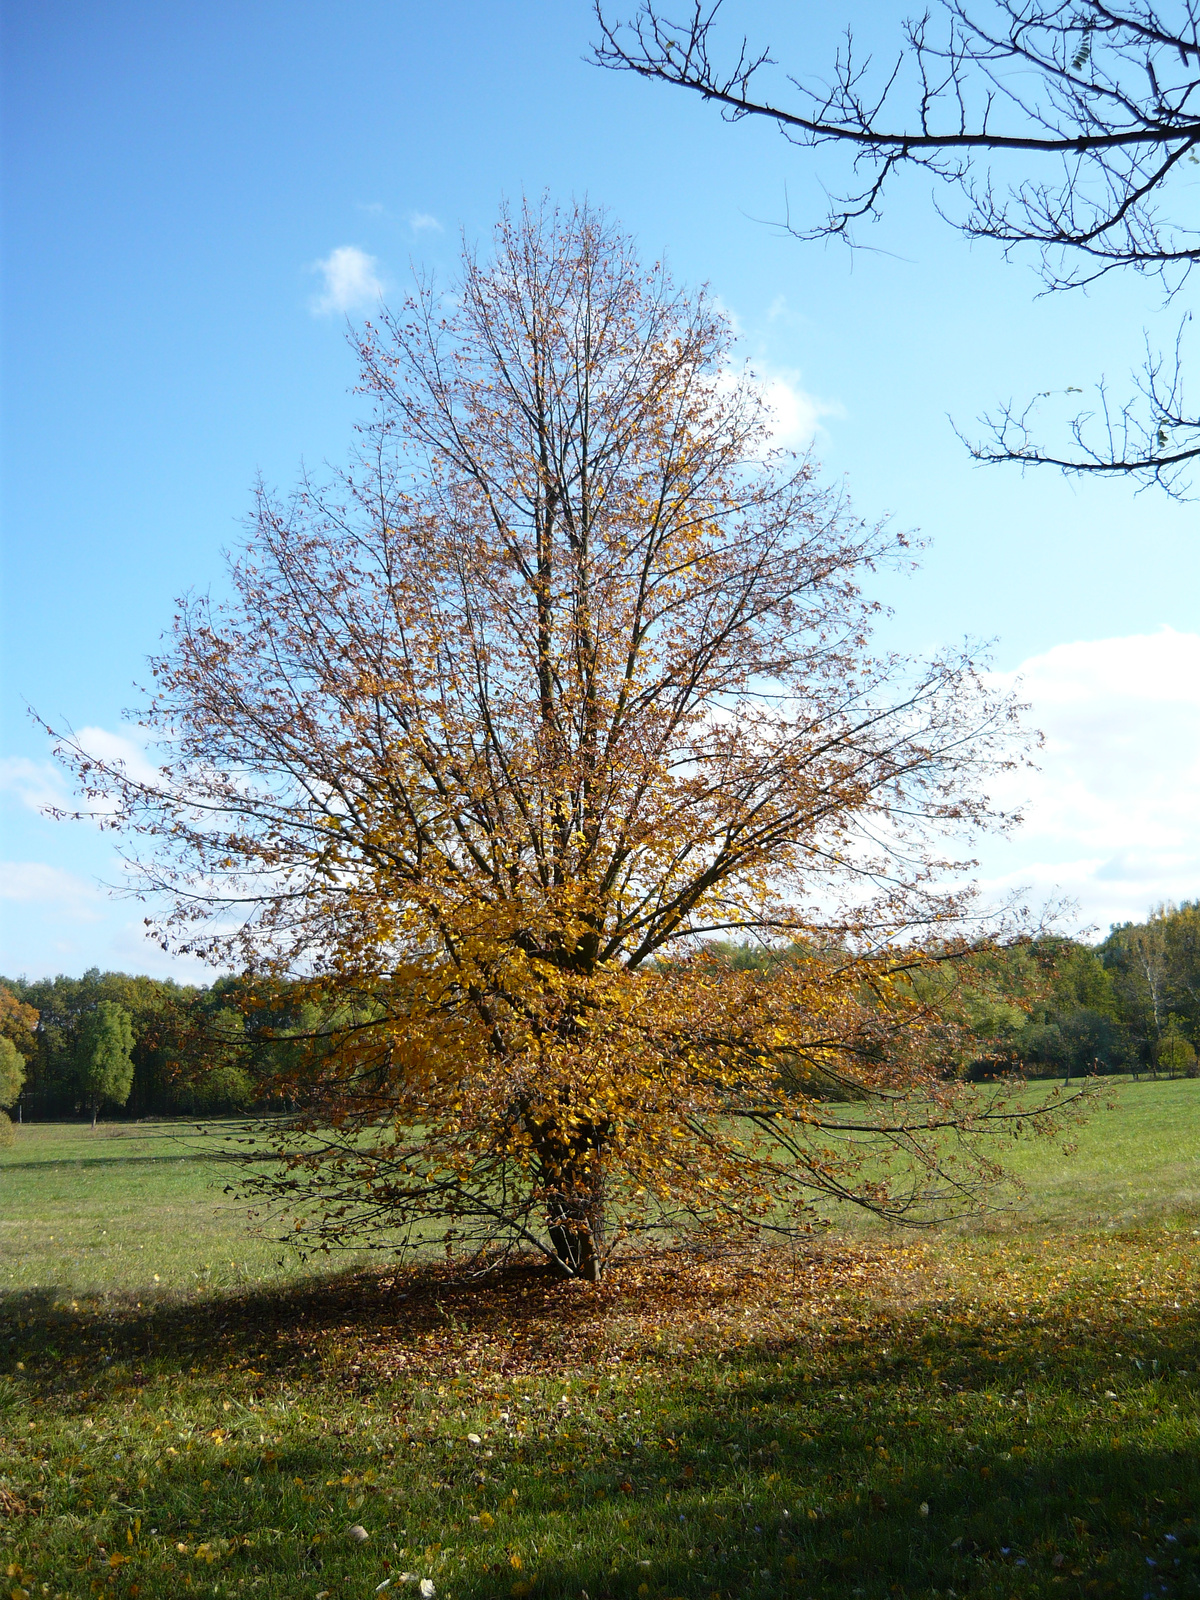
513	743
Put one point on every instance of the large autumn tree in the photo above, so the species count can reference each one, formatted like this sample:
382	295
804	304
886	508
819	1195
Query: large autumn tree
565	679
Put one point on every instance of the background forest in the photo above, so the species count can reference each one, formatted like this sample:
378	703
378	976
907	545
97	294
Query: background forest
1046	1007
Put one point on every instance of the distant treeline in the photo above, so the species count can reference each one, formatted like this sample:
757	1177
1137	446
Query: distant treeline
1148	1017
195	1051
1130	1004
1047	1007
1055	1006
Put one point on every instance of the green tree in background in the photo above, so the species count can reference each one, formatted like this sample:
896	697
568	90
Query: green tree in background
218	1079
1075	1029
1155	968
1174	1054
104	1059
12	1079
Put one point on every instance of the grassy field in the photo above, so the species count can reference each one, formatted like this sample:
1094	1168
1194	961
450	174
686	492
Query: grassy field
1007	1410
128	1208
1138	1161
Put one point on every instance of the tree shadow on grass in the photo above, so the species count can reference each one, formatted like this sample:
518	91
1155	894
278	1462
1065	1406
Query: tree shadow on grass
896	1455
1111	1521
419	1319
115	1162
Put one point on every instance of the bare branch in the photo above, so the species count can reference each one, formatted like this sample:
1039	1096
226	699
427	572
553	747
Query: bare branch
1152	436
1098	105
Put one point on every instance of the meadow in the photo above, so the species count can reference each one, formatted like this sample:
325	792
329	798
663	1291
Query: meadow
1009	1407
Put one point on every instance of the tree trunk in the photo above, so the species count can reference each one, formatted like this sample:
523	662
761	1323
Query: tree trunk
576	1229
95	1113
575	1209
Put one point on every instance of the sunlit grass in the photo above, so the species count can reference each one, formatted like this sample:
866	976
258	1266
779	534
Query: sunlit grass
1133	1160
770	1427
130	1207
1136	1161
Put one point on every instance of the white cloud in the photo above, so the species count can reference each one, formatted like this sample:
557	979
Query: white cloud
1113	814
424	222
351	281
122	748
36	784
796	413
39	884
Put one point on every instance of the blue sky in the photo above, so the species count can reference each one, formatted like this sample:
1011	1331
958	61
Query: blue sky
174	176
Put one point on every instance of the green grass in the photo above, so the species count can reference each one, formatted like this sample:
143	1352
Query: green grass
1009	1411
126	1208
1138	1161
1134	1159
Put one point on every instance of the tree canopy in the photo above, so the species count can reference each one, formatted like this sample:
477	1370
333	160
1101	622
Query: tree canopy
568	674
12	1072
103	1059
18	1021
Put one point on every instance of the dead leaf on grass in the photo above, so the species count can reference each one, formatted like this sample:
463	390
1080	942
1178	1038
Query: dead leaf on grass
11	1505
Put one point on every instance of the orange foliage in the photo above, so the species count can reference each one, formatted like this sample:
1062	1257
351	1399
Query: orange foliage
566	677
18	1022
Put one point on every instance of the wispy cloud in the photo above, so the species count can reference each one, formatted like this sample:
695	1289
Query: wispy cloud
797	415
39	884
351	281
781	311
54	921
42	786
424	222
1113	813
36	784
